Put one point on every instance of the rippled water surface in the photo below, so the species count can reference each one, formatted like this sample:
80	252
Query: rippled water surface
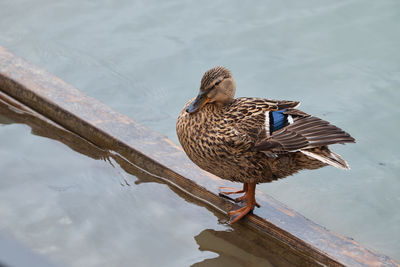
146	59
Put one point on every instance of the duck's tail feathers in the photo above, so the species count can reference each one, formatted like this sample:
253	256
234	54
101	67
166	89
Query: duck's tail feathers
330	158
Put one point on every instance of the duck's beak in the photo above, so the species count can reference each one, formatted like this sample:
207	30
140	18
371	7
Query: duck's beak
198	103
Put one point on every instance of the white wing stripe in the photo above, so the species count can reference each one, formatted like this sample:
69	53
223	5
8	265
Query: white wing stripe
267	123
290	119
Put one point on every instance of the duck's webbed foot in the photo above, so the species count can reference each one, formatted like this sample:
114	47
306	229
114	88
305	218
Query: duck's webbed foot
236	215
235	191
244	199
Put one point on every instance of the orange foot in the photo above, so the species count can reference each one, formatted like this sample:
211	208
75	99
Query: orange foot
249	196
235	191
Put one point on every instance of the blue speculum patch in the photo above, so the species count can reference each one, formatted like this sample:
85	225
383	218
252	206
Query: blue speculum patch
277	120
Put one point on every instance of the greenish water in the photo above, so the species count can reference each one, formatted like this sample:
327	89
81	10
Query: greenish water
146	59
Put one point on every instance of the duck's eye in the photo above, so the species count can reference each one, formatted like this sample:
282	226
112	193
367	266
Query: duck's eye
217	83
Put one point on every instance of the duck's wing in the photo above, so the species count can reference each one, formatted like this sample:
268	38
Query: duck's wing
248	119
301	131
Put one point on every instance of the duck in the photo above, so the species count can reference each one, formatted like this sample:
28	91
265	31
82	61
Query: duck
253	140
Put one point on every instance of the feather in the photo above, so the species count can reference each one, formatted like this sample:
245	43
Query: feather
331	158
303	133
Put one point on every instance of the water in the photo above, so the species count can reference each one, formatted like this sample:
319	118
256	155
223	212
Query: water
340	58
85	210
75	211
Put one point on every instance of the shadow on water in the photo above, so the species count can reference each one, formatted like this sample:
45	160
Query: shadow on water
237	246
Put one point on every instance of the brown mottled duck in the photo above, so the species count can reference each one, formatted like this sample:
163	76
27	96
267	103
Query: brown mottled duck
253	140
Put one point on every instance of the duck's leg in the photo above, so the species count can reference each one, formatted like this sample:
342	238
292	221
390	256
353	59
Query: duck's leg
238	199
250	204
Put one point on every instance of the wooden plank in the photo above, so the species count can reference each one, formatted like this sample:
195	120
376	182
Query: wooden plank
108	129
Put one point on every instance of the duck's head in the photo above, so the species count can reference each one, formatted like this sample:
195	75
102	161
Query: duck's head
217	86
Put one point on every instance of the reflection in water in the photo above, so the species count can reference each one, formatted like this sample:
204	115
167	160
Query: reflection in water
243	247
235	246
230	254
76	212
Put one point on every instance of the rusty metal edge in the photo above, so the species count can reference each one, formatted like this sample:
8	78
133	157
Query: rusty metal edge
87	117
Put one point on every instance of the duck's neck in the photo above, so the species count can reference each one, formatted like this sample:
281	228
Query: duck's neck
216	108
224	104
